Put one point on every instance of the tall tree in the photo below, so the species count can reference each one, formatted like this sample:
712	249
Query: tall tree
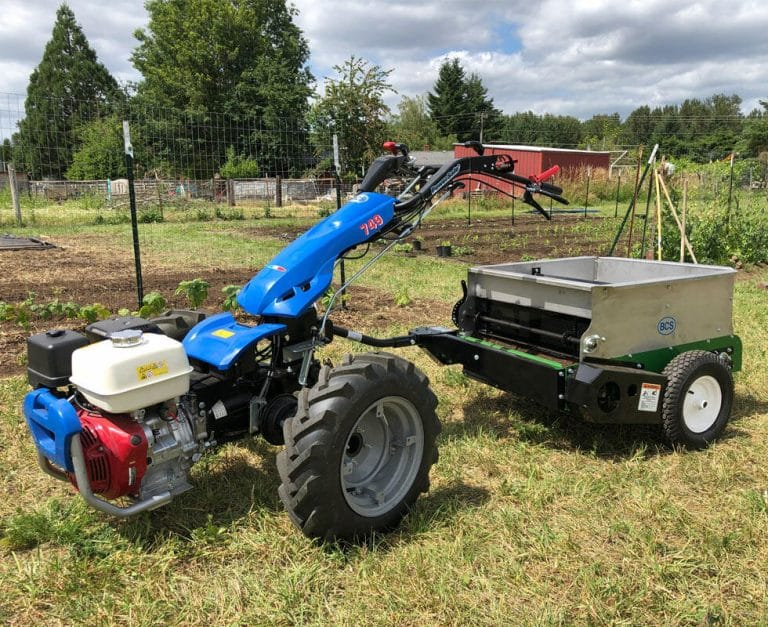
413	126
601	131
446	101
353	107
755	136
638	126
485	124
68	88
460	106
100	154
235	73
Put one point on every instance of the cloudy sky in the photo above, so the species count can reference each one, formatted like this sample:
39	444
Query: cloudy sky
577	57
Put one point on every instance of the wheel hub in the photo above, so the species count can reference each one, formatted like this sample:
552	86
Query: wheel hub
382	456
702	404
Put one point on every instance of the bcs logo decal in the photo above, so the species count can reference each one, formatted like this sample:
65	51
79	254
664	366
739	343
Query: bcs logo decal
278	268
666	326
360	198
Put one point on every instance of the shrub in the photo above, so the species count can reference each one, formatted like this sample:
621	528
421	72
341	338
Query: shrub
239	166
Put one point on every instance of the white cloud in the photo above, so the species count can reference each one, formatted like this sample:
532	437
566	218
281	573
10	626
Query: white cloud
571	57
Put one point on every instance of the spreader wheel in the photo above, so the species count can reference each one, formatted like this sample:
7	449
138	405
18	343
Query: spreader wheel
697	400
358	452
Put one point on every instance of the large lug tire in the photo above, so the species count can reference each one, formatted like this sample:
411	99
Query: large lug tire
359	450
697	400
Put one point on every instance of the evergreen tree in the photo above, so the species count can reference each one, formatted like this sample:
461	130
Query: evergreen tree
446	104
224	73
460	105
485	124
67	89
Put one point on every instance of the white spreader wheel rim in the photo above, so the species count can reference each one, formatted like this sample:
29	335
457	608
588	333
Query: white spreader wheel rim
702	404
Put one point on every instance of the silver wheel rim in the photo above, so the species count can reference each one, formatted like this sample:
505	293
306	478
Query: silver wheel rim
382	456
702	404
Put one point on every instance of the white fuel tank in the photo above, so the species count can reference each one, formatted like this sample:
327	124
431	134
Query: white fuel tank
131	371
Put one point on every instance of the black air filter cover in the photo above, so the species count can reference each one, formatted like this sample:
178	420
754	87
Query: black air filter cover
49	357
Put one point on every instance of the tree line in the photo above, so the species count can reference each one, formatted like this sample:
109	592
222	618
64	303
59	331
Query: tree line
225	88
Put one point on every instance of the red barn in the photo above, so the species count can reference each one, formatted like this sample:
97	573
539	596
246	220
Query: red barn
535	159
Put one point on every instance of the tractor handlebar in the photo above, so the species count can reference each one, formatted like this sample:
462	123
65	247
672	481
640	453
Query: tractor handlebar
499	167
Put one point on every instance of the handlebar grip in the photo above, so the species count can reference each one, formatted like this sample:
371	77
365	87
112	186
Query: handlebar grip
538	178
551	189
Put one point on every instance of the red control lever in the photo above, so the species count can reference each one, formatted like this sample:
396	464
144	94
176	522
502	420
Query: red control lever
538	178
390	147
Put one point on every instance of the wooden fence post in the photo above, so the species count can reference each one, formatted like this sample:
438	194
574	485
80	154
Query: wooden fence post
230	192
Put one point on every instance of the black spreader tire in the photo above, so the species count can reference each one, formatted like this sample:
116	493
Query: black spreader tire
697	400
378	391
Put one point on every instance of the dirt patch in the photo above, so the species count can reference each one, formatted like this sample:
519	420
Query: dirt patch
499	240
365	308
369	308
95	270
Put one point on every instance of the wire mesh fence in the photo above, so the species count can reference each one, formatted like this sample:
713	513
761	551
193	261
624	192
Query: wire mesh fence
218	195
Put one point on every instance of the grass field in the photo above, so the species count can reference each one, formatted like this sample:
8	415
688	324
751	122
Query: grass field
531	518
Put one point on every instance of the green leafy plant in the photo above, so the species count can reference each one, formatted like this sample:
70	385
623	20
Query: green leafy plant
402	298
92	313
7	312
152	304
403	248
230	297
195	290
326	208
327	298
150	215
233	213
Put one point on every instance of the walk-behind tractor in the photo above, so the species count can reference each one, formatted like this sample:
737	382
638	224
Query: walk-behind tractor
124	410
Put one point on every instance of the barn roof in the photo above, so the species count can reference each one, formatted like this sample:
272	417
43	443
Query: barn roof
432	157
542	149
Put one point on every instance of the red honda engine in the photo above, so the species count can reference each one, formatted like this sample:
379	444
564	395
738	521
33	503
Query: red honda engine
115	450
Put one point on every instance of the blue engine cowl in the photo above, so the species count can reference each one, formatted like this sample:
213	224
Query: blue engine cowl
301	273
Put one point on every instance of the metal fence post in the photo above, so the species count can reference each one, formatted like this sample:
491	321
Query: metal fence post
14	192
134	217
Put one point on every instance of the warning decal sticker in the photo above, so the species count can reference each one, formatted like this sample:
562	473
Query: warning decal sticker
650	393
151	370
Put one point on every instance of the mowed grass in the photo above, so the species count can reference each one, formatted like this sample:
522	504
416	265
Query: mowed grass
531	517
